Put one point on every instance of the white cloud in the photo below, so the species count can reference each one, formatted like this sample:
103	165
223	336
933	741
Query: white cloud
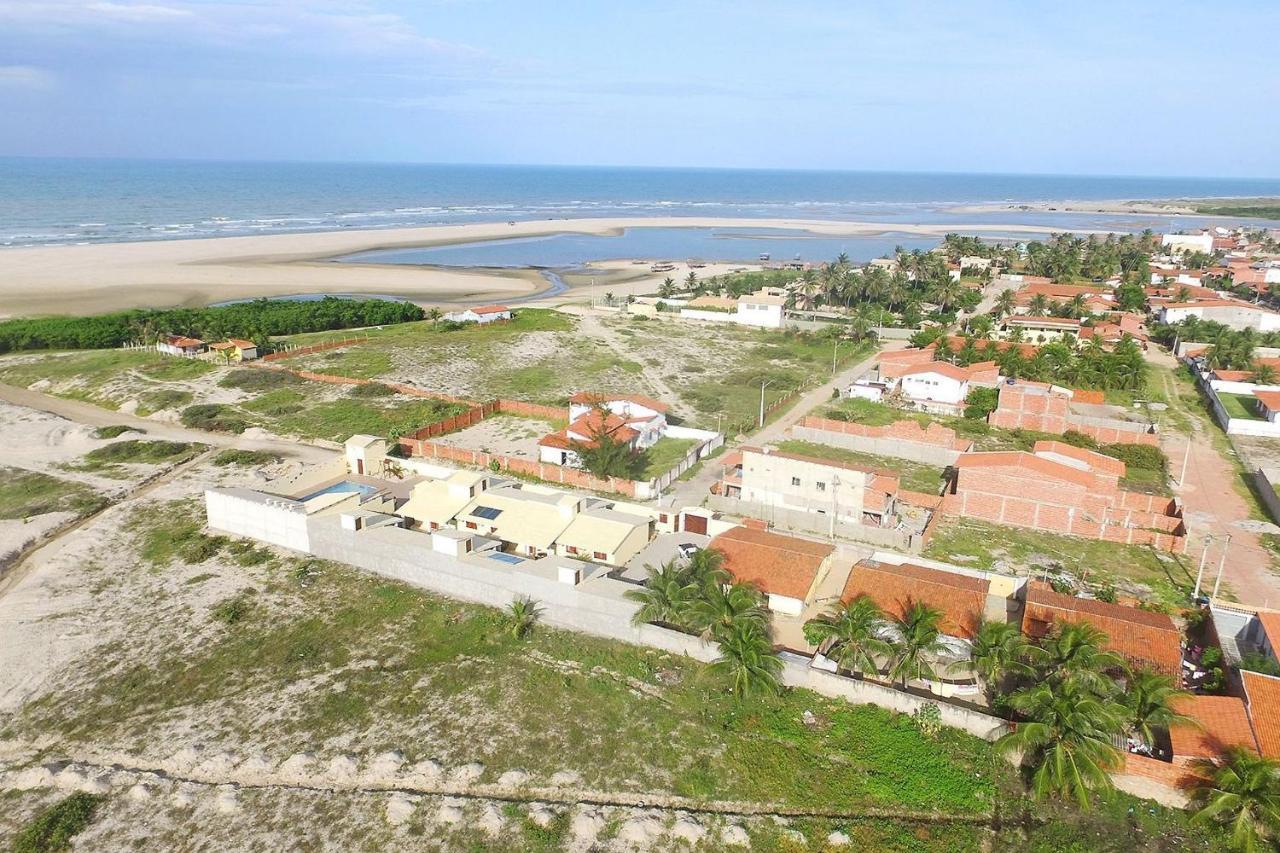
138	12
24	77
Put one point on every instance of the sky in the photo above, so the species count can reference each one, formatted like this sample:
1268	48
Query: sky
1128	88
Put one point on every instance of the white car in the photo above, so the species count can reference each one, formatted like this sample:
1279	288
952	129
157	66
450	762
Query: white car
687	549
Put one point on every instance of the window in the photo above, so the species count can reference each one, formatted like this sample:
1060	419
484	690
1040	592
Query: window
471	525
572	549
795	481
600	555
822	487
663	517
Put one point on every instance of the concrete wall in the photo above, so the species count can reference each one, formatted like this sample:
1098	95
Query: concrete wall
280	522
811	522
1264	482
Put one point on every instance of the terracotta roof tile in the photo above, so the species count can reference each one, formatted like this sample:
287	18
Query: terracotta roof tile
1270	399
960	598
1262	698
1140	636
490	309
1270	620
1221	722
777	564
1027	462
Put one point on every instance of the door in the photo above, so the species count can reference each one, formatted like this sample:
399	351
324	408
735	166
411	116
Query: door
359	466
695	524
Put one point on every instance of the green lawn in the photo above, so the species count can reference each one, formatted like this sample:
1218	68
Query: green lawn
664	455
27	493
914	476
338	420
1240	406
978	544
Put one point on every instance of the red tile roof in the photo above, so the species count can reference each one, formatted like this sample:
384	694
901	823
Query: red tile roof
1142	637
591	398
777	564
590	425
184	342
1221	722
1270	399
942	368
490	309
1262	699
960	598
1270	620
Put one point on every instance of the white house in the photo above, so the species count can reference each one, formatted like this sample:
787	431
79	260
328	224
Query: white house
945	383
1269	405
560	448
179	345
643	413
1232	313
765	308
1187	242
483	314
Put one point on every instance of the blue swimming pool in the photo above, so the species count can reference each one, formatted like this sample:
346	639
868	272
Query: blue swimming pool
510	559
343	487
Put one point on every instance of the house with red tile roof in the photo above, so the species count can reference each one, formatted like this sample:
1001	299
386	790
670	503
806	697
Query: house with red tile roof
961	599
236	349
179	345
1062	489
560	447
942	387
786	569
483	314
1262	700
1217	723
1144	639
1268	405
632	418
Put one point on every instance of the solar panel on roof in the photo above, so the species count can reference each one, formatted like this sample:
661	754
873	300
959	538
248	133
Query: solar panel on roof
487	512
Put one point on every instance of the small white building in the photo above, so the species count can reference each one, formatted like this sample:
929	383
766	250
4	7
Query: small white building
1233	313
483	314
366	454
179	345
765	308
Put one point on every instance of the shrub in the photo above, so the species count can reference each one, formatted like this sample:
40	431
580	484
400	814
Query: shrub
233	610
167	398
245	457
54	828
258	379
214	417
1144	456
372	389
114	431
928	718
135	450
980	403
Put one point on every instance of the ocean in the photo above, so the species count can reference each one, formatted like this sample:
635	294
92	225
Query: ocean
66	201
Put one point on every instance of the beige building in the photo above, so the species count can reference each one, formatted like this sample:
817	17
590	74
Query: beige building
773	478
530	518
433	504
607	533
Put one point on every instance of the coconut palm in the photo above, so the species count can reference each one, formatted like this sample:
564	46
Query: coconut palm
1263	374
1241	791
721	607
919	639
849	633
747	659
666	596
1038	306
998	652
1075	652
1066	737
1148	698
522	615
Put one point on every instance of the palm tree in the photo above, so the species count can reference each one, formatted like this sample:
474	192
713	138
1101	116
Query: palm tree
1241	791
1038	306
998	652
1067	738
849	633
1263	374
434	315
1074	652
1149	699
721	607
665	598
748	660
919	639
522	615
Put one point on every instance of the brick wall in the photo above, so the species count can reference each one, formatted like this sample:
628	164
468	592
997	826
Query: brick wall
278	356
1050	412
558	474
934	435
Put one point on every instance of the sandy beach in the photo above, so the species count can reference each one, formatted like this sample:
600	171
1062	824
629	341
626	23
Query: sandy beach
98	278
1170	207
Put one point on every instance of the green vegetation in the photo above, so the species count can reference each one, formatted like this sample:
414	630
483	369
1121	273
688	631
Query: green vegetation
1065	361
24	494
1241	793
1240	406
277	403
914	476
372	389
338	420
604	455
664	455
158	401
970	542
52	829
214	417
357	362
175	532
139	452
114	431
1262	208
254	320
245	457
255	379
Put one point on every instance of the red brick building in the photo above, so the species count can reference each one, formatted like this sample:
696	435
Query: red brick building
961	599
1059	488
1047	408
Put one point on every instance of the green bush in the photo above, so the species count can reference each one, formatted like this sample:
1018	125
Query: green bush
233	610
1144	456
245	457
980	403
114	431
53	829
372	389
259	379
214	417
135	450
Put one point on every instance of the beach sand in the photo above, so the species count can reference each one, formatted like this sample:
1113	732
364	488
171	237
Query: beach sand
159	274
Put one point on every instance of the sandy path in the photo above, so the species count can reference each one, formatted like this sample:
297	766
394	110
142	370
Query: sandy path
1213	507
105	277
590	325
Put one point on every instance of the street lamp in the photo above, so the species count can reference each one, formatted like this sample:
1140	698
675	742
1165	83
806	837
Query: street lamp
764	383
835	504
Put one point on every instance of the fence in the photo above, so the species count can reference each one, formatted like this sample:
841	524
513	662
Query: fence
812	522
558	474
308	350
1264	485
906	439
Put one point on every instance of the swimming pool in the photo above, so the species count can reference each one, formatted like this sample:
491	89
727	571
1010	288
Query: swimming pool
510	559
343	487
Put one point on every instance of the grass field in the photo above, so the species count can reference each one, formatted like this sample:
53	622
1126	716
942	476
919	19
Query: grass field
969	542
1240	406
27	493
914	476
664	455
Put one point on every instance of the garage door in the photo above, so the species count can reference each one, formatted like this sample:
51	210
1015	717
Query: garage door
695	524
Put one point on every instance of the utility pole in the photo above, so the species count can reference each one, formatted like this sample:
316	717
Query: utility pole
1204	553
835	346
1186	457
1222	564
764	383
835	504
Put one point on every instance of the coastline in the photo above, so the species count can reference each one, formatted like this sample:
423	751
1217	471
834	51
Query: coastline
97	278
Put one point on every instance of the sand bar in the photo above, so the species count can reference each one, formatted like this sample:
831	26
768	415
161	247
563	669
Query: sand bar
166	273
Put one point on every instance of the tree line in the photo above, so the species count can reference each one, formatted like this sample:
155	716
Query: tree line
255	321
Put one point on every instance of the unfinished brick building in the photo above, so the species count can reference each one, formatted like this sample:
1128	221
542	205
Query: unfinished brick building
1047	408
1059	488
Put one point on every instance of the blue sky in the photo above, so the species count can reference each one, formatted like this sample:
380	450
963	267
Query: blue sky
1170	88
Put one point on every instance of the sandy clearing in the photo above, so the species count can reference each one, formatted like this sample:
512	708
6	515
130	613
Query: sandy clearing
97	278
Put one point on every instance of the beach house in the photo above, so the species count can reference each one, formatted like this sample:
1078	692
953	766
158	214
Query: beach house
235	349
483	314
179	345
786	569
